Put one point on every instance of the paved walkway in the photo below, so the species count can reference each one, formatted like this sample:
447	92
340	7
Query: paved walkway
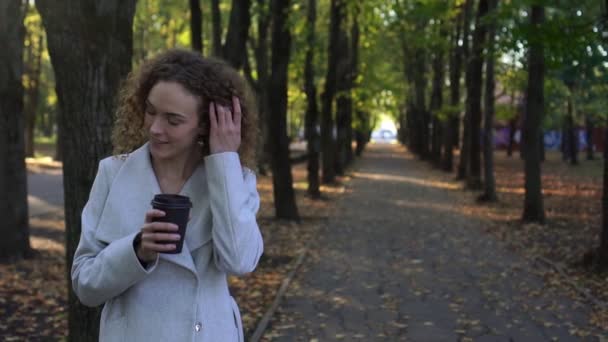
401	263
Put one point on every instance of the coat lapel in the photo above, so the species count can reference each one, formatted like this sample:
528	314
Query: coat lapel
131	192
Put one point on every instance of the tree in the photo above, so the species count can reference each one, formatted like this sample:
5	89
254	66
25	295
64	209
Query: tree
489	184
463	163
217	27
453	114
196	25
260	51
14	228
327	97
474	72
533	198
238	31
602	259
312	109
284	197
437	96
90	44
32	75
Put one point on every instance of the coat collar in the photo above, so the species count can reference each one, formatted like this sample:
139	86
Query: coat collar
131	191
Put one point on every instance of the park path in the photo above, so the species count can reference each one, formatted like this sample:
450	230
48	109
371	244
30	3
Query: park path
401	262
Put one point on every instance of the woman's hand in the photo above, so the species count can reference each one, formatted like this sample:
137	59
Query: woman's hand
225	127
154	232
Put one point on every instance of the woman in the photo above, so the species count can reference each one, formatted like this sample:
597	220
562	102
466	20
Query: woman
180	123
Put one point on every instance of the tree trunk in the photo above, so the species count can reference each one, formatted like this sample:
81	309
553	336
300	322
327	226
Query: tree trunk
466	31
475	67
14	228
535	106
216	18
33	91
452	123
437	100
343	101
589	136
512	129
312	110
284	196
361	134
327	98
238	31
354	72
602	260
572	140
261	57
196	25
489	184
90	44
421	114
463	162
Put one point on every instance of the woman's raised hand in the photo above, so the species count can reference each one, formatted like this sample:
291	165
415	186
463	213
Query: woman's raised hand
225	127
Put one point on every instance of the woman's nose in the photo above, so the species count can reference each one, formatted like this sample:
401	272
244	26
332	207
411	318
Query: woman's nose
157	126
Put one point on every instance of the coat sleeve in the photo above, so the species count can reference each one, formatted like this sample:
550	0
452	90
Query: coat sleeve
102	271
237	241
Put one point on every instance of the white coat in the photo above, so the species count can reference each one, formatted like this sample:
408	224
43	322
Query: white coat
179	297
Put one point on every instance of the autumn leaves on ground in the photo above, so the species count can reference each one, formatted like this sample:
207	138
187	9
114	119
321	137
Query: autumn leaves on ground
33	292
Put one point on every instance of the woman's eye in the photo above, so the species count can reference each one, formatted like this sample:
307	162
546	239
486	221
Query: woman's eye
173	122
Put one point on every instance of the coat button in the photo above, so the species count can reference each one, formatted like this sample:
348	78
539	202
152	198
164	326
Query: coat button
198	326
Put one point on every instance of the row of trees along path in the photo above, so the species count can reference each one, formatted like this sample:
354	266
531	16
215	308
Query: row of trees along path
402	261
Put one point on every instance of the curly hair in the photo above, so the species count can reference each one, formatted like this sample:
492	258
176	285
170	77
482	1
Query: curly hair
210	79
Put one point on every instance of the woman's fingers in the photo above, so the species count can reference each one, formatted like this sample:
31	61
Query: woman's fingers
221	116
159	237
212	116
150	215
159	226
236	105
157	247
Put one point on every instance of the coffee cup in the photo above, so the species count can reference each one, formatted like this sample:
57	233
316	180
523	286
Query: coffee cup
177	211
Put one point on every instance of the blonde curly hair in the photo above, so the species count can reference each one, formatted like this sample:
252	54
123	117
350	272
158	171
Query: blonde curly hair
208	78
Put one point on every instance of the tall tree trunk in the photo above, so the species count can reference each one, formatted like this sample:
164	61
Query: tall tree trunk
196	25
463	162
238	31
512	129
421	114
571	131
284	196
589	136
90	44
466	32
451	125
14	228
475	67
354	72
216	18
489	184
327	97
343	104
602	260
312	110
261	57
33	91
535	106
361	134
437	100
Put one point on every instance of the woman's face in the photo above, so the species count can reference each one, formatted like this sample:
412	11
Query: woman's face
171	120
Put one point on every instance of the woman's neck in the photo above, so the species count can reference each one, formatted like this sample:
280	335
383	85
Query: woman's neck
175	171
